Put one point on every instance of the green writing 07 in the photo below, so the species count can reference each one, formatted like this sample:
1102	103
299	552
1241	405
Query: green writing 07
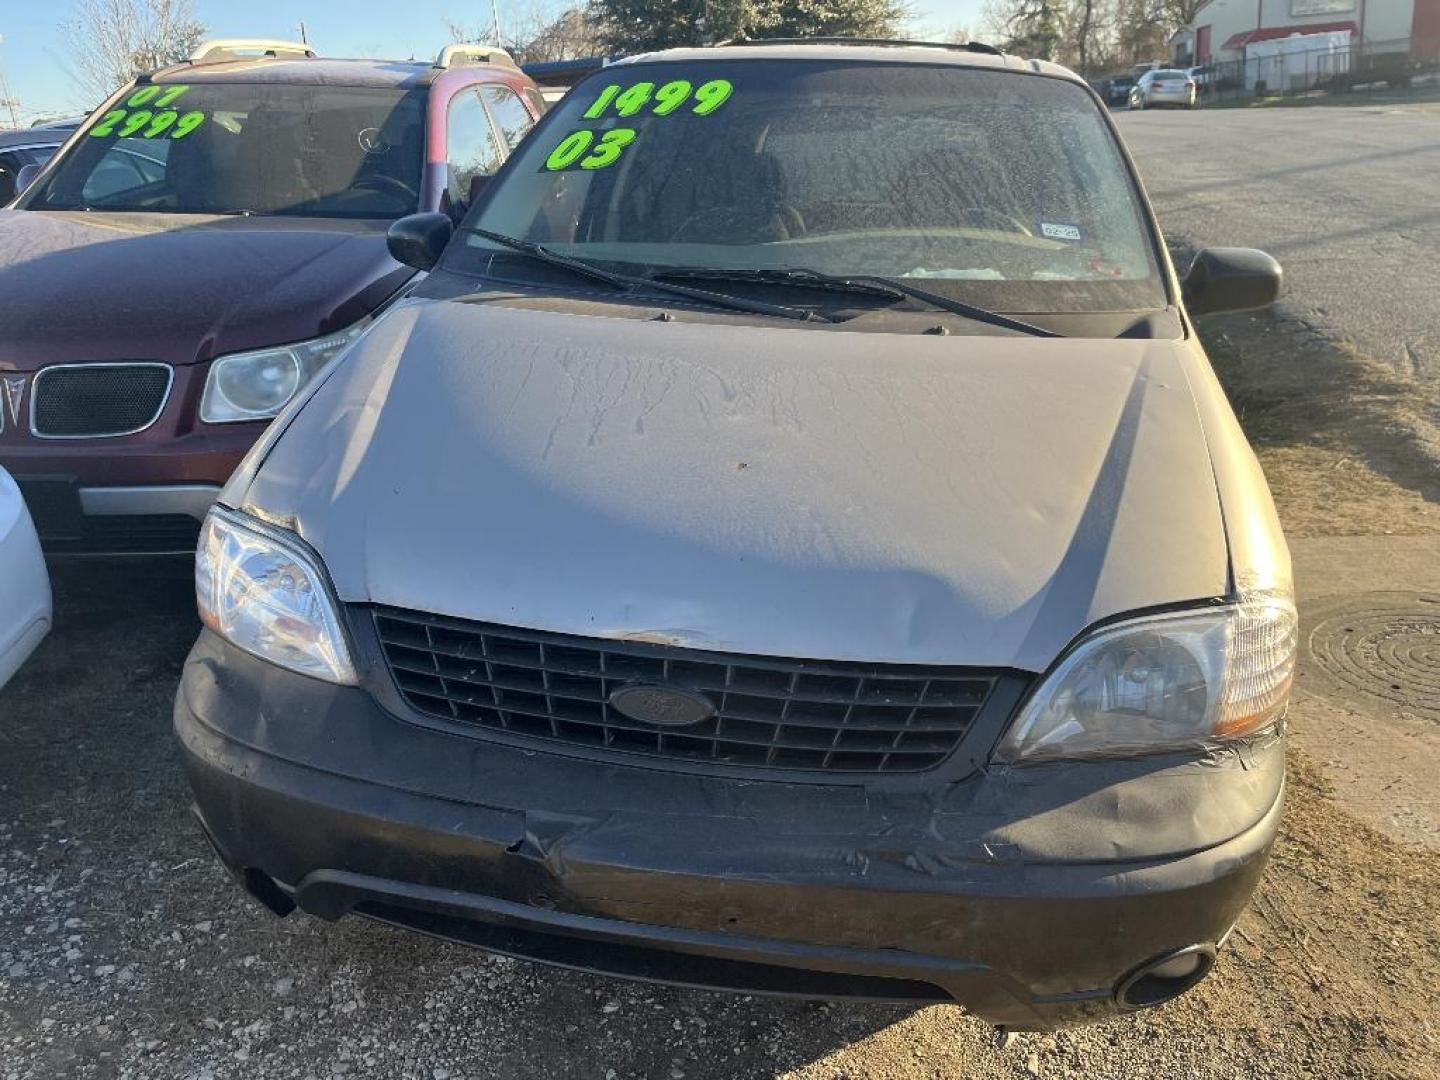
147	115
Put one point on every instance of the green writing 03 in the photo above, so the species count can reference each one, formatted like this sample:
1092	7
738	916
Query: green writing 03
582	148
587	149
147	115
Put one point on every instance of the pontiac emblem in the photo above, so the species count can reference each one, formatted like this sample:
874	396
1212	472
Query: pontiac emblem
14	395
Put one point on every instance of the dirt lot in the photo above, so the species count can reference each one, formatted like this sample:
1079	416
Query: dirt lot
125	952
1345	441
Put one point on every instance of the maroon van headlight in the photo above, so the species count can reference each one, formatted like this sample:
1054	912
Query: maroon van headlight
256	385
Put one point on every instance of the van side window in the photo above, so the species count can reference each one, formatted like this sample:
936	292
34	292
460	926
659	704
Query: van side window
473	148
511	116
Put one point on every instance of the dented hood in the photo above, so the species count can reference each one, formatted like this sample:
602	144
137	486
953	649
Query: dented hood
769	490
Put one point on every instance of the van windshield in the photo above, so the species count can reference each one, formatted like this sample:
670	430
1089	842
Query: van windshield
1003	189
248	148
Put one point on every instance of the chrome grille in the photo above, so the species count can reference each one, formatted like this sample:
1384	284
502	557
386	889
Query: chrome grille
98	400
769	713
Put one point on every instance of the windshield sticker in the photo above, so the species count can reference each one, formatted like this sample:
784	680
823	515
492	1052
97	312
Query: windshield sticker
1058	231
581	149
147	115
157	97
662	101
589	149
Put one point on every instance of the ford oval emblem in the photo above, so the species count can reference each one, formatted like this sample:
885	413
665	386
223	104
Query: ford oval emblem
662	705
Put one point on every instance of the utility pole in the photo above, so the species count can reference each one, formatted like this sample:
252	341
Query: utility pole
8	100
495	18
10	104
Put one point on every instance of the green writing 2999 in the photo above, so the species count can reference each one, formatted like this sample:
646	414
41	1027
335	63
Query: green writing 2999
147	115
589	149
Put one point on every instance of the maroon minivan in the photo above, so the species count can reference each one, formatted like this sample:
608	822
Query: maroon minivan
211	237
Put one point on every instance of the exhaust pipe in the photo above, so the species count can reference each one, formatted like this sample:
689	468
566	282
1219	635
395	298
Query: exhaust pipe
267	892
261	887
1165	977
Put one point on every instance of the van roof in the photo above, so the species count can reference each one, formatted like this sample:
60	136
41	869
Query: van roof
863	51
315	71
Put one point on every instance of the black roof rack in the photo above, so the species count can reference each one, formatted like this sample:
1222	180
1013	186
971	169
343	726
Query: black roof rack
969	46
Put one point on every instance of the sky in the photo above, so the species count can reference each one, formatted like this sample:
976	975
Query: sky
32	39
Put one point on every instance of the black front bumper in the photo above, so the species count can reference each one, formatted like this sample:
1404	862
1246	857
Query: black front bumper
1025	895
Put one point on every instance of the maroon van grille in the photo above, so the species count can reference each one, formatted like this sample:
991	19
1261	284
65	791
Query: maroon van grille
98	400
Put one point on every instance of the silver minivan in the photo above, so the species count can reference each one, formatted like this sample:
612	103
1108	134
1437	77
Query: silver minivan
792	542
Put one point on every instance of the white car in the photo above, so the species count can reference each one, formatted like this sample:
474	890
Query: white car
25	610
1164	86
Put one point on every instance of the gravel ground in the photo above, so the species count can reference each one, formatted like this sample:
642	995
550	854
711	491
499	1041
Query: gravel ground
126	952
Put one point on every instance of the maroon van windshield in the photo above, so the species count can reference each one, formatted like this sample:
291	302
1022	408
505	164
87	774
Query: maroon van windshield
248	148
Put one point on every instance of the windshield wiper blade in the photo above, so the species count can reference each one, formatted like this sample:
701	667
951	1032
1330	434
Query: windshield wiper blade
959	307
862	283
631	283
799	276
544	254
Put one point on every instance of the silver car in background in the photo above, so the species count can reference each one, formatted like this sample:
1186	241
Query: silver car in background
1164	87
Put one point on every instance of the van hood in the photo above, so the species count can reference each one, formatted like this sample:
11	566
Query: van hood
179	288
764	490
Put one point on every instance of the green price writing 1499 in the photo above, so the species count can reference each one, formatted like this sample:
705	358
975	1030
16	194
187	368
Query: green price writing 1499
662	100
587	149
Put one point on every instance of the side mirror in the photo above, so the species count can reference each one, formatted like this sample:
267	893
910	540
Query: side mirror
419	239
25	177
1231	279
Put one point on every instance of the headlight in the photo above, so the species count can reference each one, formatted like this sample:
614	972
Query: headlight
257	385
1166	682
263	592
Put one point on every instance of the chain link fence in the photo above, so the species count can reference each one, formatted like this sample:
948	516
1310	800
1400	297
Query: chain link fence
1278	71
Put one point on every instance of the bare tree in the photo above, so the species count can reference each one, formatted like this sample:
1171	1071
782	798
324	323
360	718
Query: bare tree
628	26
827	18
1089	44
1082	29
112	41
1142	30
8	101
1180	13
537	33
1028	27
461	34
571	34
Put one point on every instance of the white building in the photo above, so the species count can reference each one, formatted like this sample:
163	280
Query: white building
1222	29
